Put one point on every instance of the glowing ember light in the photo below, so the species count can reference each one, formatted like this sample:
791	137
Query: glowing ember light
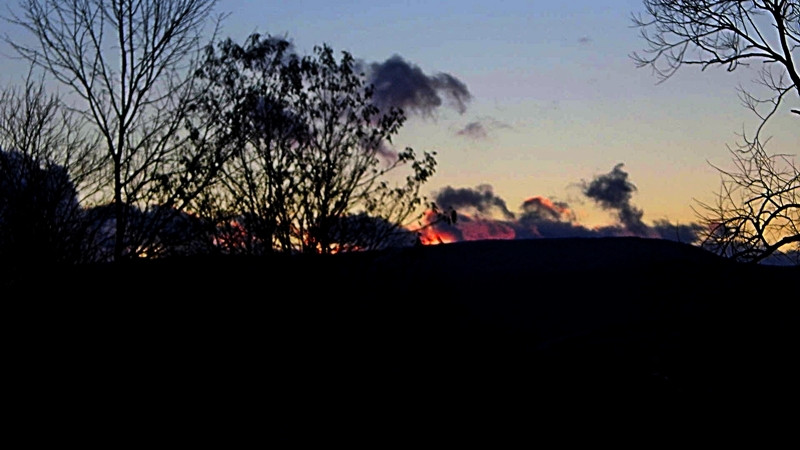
478	230
432	232
233	236
558	211
430	236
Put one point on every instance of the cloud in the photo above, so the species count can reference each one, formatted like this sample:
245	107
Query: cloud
454	89
613	191
537	209
688	233
479	129
481	214
480	202
401	84
474	130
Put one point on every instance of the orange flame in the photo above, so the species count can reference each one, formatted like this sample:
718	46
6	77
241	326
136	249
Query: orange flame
469	229
234	237
545	202
429	236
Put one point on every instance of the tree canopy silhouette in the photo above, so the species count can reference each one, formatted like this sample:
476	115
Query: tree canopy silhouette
308	162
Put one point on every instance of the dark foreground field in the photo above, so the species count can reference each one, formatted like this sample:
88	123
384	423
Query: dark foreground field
405	340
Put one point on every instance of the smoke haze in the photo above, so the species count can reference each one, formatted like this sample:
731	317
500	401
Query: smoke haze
481	214
399	83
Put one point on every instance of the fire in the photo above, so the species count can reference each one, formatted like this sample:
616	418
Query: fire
430	236
232	236
558	210
478	230
434	233
341	248
467	228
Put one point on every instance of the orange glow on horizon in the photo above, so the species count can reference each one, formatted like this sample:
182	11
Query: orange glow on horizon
429	236
232	236
547	203
468	229
479	230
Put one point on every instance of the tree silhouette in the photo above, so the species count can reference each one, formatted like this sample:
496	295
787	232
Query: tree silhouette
129	62
244	112
308	151
171	232
757	211
48	166
39	212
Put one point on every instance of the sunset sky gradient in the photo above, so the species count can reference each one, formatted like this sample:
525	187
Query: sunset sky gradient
555	99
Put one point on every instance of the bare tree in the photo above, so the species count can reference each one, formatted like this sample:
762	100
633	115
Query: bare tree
48	168
757	213
130	63
720	33
757	210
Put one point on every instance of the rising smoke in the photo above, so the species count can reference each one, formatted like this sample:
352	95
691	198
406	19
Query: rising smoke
474	130
398	83
481	214
613	191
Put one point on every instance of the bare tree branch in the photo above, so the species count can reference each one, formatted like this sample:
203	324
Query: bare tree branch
49	168
131	62
757	210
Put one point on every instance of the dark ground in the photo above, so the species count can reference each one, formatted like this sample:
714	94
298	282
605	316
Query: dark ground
407	340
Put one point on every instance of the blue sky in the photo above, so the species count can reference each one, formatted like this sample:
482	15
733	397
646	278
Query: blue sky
553	86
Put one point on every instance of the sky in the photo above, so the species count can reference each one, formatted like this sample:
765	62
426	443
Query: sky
531	99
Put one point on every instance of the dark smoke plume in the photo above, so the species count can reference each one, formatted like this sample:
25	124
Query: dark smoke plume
479	129
540	217
613	191
480	201
474	130
401	84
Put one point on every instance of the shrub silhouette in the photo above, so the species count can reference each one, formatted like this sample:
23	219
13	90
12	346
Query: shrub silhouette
40	218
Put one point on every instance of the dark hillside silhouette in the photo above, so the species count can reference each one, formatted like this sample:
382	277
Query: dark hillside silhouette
210	237
461	330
